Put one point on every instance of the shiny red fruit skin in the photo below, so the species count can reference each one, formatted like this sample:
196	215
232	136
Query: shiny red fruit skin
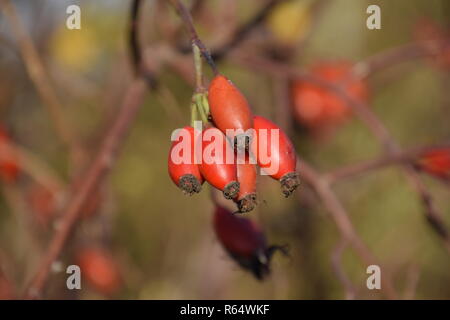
436	162
239	236
99	270
315	106
228	106
9	168
219	175
246	174
176	171
283	157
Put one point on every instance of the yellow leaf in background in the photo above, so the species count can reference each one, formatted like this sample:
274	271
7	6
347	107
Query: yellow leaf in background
290	21
75	49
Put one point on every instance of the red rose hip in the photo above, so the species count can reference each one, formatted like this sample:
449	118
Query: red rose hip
228	106
183	170
218	166
277	158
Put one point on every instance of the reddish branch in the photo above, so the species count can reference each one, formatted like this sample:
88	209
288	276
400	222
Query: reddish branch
99	168
336	263
343	223
135	48
397	55
243	31
403	157
189	24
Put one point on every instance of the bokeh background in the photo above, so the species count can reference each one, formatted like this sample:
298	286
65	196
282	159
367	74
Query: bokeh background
162	241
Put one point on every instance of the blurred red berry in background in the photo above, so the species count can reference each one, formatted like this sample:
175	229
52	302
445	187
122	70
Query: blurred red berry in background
244	241
434	38
9	168
316	107
43	202
436	163
99	270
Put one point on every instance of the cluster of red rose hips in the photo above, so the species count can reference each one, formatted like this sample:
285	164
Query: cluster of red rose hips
229	110
225	109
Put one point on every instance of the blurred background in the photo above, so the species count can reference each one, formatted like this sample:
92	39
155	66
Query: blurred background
148	240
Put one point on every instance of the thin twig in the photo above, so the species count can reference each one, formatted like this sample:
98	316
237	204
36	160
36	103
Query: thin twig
243	31
135	48
99	168
343	223
133	39
189	24
405	156
336	263
32	165
387	58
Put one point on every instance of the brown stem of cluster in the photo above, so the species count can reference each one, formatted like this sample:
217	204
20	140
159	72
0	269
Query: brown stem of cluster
184	14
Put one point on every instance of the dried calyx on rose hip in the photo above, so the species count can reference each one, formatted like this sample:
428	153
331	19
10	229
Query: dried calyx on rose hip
218	166
245	242
246	199
282	163
229	108
183	170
